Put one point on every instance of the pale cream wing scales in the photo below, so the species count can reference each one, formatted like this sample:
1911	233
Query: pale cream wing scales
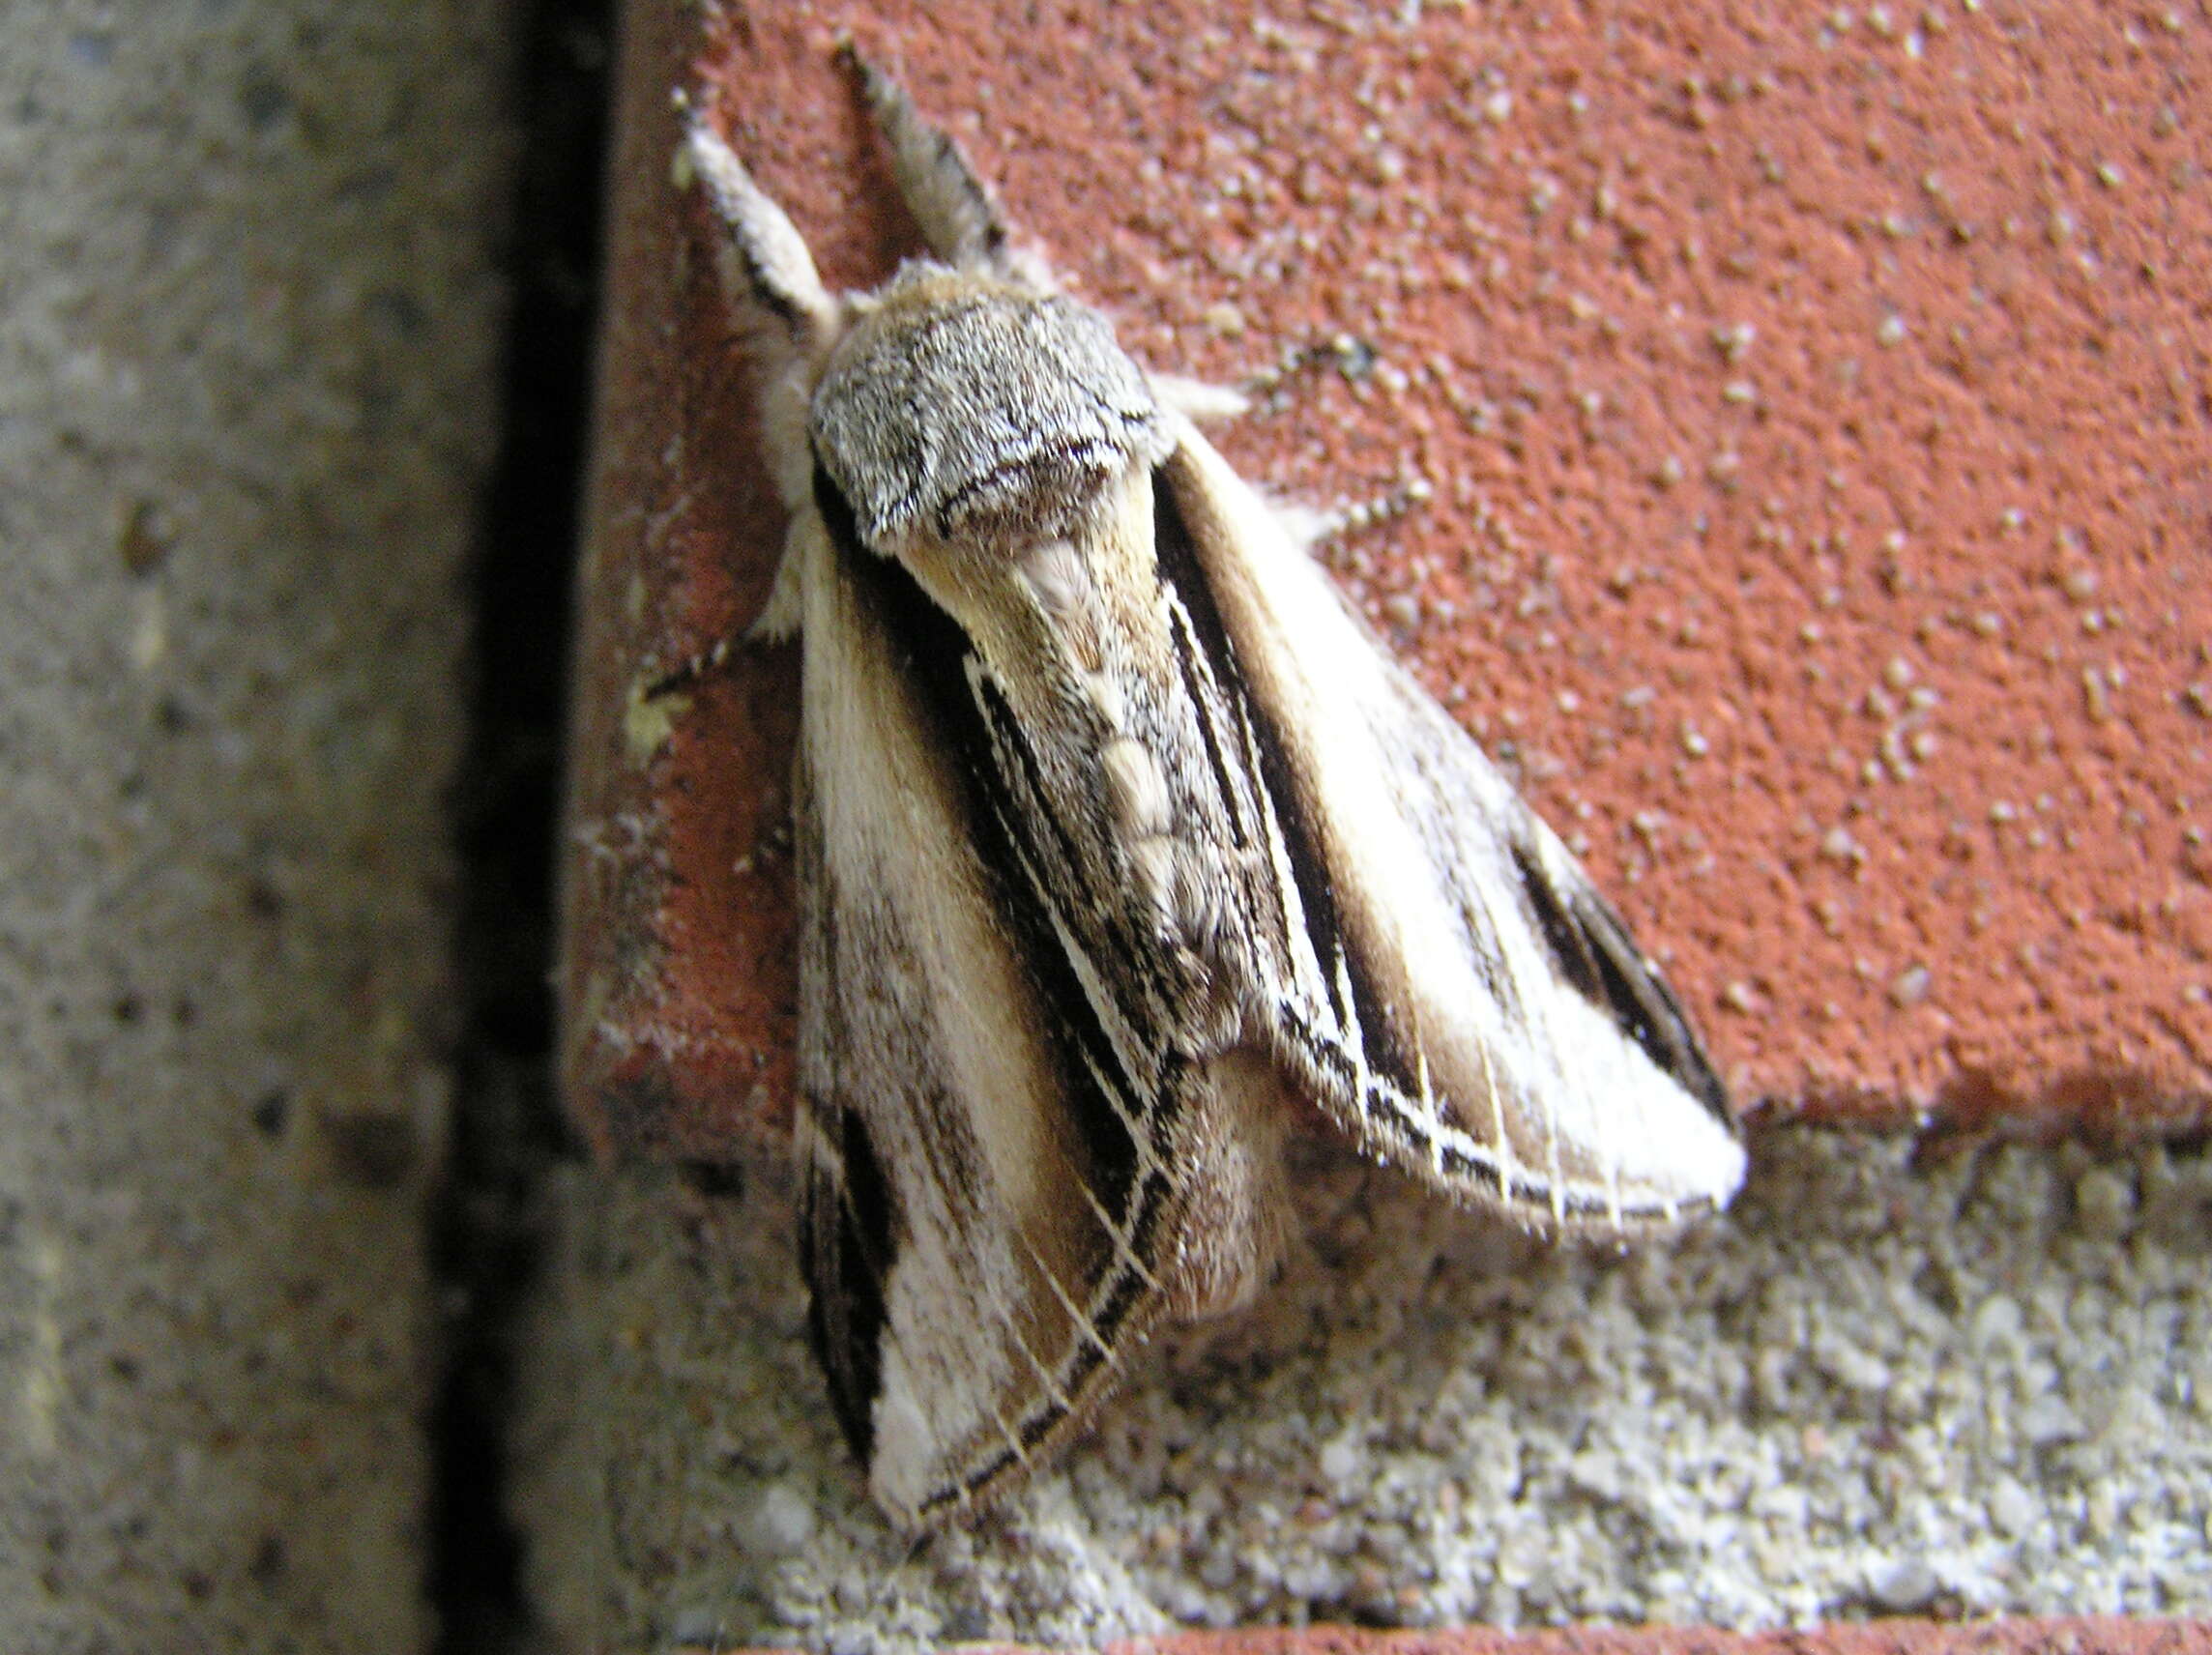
1458	996
967	1221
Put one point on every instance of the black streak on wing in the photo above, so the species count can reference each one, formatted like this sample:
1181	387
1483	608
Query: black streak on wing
847	1322
1593	951
1324	925
1608	972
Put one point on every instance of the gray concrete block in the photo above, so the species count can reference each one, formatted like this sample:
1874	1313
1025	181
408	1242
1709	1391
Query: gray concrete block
246	344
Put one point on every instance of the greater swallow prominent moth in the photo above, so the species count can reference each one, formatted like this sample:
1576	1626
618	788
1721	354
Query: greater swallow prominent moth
1116	831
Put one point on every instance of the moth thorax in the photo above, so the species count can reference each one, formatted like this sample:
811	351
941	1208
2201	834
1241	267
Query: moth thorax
975	412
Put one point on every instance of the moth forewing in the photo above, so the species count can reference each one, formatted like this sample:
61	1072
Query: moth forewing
947	1266
1440	1000
1116	831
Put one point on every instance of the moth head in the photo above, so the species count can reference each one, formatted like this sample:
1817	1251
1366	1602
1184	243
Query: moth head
974	412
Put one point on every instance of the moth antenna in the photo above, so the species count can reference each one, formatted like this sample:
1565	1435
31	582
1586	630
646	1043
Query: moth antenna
958	215
762	259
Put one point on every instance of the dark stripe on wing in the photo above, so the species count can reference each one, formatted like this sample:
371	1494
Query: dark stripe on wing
1181	570
932	653
1592	950
847	1225
1125	1293
1381	1079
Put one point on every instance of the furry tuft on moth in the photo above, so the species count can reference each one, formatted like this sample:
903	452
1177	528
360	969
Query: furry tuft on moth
1117	833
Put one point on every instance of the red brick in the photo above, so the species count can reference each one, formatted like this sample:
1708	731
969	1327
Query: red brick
1751	332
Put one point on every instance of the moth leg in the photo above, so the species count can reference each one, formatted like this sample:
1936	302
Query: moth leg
688	670
1312	527
777	622
1353	358
779	616
959	216
1197	400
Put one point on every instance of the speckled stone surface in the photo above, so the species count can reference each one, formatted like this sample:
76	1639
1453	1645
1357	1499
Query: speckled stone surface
1970	1387
1812	405
249	316
2054	1637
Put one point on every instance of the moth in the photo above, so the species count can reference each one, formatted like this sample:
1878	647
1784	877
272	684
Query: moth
1116	834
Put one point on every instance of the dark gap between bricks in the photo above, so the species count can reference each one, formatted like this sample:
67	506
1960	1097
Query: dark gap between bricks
505	811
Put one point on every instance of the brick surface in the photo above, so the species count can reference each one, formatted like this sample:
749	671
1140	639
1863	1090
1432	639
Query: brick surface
1814	406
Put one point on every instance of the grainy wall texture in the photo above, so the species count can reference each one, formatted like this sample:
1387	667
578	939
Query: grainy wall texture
247	343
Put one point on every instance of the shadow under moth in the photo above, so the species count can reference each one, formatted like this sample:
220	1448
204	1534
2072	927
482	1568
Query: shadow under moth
1116	834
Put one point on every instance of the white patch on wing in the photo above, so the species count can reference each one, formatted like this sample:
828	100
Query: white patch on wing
942	1379
888	824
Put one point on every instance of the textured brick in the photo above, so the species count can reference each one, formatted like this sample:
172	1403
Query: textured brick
1815	407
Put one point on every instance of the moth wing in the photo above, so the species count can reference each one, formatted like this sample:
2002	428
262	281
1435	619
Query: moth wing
1459	996
978	1203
